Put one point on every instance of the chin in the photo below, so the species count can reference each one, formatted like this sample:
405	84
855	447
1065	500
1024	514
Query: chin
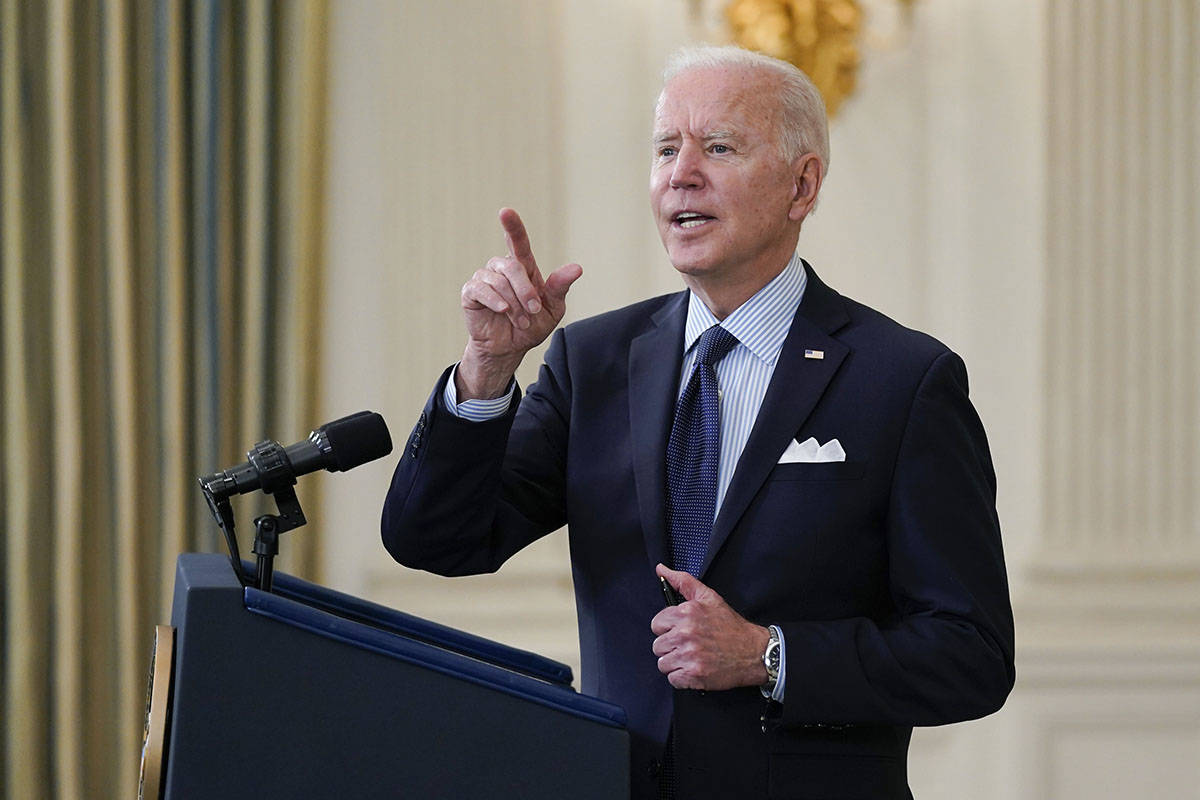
688	267
689	263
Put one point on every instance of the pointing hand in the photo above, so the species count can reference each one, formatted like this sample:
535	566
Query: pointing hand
509	309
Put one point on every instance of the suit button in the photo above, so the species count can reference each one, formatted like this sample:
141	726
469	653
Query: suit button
653	768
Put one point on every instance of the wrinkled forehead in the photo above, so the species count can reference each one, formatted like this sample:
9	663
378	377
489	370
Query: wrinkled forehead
703	99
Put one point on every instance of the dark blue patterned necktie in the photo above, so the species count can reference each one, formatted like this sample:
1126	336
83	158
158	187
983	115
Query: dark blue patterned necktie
693	455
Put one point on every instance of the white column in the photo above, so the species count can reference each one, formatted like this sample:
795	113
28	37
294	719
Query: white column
1123	298
1108	622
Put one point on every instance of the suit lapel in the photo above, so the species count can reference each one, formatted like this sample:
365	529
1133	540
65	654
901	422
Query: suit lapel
796	386
654	362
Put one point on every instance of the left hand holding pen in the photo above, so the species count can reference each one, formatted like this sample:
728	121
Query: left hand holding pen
703	643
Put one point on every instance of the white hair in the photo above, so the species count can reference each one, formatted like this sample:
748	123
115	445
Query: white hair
803	125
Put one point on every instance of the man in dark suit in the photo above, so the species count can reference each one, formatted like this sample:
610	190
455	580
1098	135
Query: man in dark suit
813	471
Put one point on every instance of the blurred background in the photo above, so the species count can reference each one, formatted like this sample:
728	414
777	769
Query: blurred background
228	221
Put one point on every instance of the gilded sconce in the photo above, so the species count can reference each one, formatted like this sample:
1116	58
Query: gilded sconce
819	36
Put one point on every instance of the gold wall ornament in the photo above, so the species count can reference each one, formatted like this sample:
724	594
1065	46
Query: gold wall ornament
818	36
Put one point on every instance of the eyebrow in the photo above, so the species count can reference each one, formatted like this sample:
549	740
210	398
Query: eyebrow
670	136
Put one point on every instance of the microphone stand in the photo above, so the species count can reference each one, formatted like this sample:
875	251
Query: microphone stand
277	478
267	529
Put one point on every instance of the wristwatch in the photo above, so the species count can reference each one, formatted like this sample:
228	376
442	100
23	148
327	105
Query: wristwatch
771	660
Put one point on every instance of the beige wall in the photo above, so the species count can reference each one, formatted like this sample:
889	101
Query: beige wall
957	203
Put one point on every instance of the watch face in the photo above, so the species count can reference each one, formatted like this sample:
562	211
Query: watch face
772	659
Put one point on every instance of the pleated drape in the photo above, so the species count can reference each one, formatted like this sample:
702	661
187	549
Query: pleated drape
161	166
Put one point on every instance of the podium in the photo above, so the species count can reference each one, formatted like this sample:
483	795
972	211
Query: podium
307	692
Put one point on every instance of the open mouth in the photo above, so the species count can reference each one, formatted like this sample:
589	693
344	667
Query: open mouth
690	219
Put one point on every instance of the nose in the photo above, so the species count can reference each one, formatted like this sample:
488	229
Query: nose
687	170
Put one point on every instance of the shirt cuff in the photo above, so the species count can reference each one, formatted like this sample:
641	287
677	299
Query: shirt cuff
776	694
476	410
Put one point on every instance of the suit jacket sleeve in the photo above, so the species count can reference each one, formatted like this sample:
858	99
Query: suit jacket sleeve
946	654
458	503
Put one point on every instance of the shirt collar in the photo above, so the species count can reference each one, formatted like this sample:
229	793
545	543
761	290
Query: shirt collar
762	322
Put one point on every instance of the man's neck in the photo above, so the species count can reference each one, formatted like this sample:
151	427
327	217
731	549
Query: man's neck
722	300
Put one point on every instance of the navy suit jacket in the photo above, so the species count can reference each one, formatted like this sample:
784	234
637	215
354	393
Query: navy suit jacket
885	571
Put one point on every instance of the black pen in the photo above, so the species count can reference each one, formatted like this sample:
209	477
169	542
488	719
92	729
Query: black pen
672	597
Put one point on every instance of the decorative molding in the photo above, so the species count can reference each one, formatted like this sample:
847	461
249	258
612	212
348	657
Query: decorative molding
1089	741
1045	666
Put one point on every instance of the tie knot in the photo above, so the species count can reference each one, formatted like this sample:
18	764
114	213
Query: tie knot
715	343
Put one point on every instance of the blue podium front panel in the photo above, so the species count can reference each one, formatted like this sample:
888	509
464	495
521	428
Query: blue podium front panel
276	697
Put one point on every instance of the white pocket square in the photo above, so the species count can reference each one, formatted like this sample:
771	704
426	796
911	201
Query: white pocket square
809	452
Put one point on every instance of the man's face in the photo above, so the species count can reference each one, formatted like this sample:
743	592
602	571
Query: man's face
721	192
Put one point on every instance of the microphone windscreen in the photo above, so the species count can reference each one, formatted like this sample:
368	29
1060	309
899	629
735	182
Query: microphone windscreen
357	439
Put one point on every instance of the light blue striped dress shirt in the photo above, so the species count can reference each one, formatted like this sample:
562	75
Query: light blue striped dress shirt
760	325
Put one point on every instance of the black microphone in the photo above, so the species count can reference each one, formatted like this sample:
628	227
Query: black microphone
336	446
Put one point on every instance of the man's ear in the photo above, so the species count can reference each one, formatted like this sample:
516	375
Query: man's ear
809	172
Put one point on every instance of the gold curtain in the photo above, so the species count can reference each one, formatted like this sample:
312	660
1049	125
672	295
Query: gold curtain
160	244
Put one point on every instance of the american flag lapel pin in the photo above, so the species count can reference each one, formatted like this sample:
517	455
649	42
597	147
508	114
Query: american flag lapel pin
817	354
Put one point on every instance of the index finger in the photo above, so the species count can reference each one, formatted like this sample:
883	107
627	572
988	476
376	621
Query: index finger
664	621
516	237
